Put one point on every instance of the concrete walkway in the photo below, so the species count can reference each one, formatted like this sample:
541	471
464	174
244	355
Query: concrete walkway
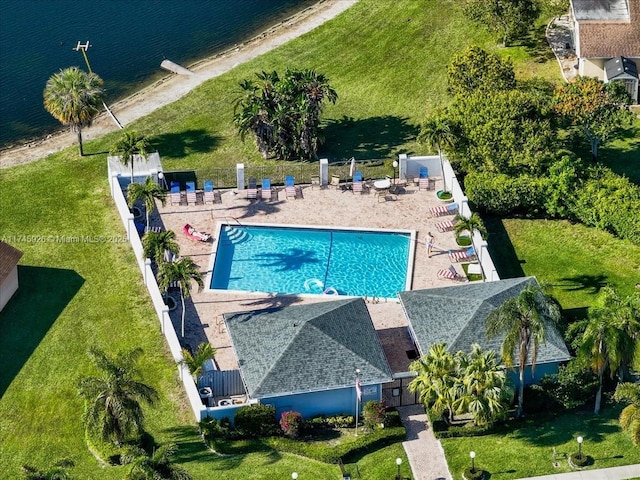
423	450
614	473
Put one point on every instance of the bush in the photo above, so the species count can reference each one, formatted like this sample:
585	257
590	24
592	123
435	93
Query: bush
571	387
256	421
373	414
291	423
501	194
212	428
341	421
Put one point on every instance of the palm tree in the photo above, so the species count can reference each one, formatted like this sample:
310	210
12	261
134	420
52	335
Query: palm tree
438	132
630	415
486	393
182	271
195	361
436	380
156	466
113	409
129	144
148	193
157	245
609	337
523	320
472	224
74	97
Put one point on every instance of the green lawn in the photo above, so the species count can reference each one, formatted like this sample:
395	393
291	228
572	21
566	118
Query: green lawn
387	60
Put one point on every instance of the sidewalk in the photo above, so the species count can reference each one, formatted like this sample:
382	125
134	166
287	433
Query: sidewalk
614	473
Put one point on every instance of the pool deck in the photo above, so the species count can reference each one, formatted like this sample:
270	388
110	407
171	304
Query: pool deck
319	207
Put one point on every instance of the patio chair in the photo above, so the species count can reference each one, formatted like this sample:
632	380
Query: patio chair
252	189
291	191
423	179
210	194
441	210
267	192
357	177
174	194
450	274
445	226
460	255
191	193
335	181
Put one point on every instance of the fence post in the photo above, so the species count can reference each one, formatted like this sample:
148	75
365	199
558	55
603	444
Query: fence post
324	172
240	175
147	270
402	165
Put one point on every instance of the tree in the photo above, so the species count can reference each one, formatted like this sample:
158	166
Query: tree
523	321
510	19
599	109
630	415
113	409
157	245
472	224
609	337
148	193
182	271
129	144
438	132
436	381
156	466
485	393
195	361
476	69
74	97
283	113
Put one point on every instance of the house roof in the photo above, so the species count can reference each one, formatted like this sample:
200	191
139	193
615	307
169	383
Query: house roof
620	66
608	28
456	316
305	348
9	258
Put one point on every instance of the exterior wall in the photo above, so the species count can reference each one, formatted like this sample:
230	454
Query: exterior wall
540	371
8	287
327	402
592	67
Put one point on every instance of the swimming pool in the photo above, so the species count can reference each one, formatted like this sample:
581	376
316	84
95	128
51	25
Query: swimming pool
303	260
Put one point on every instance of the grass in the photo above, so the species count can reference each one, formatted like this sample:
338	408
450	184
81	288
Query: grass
527	450
387	60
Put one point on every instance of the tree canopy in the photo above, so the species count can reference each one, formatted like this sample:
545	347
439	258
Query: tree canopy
508	19
476	69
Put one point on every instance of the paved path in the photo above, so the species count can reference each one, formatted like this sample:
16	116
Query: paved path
423	450
615	473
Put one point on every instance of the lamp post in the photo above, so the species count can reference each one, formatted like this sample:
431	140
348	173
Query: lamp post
473	461
398	463
357	398
294	475
580	440
395	165
162	183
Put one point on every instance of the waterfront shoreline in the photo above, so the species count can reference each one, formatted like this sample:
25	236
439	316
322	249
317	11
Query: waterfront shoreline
172	87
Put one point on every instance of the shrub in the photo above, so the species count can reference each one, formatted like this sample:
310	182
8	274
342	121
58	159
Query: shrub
501	194
341	421
571	387
291	423
578	460
212	428
373	414
256	421
475	474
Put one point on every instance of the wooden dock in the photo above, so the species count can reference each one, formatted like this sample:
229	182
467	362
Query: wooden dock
175	68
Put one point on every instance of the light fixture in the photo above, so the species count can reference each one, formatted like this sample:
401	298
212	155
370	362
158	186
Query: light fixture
398	463
580	440
294	475
395	165
472	454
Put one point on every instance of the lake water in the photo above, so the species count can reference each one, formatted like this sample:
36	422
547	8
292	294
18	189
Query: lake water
128	38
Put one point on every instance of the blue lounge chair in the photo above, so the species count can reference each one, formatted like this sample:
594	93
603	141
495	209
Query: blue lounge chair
423	180
290	188
252	189
460	255
267	192
357	177
191	192
174	194
211	195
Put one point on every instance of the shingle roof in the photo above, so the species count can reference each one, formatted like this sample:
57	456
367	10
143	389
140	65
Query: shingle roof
9	258
305	348
605	30
456	315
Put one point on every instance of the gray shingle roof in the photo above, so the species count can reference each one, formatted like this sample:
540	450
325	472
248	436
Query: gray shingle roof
305	348
456	315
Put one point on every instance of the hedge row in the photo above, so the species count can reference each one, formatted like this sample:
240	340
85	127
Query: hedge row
596	197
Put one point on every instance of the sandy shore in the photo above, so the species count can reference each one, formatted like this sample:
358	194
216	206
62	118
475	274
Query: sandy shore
171	88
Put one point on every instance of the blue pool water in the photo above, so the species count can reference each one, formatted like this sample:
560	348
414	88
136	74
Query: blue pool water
309	261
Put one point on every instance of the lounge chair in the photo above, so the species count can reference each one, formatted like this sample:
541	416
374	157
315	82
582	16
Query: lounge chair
445	226
358	185
252	189
423	179
194	234
191	193
290	188
174	194
211	195
267	192
441	210
450	274
460	255
335	181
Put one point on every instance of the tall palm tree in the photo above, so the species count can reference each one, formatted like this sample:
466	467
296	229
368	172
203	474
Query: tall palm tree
156	466
158	245
195	361
113	409
630	415
523	320
472	224
436	381
183	271
73	97
485	392
609	338
148	193
438	132
128	145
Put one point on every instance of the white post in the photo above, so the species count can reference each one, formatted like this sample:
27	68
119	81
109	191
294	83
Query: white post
402	161
147	270
357	398
240	175
324	172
